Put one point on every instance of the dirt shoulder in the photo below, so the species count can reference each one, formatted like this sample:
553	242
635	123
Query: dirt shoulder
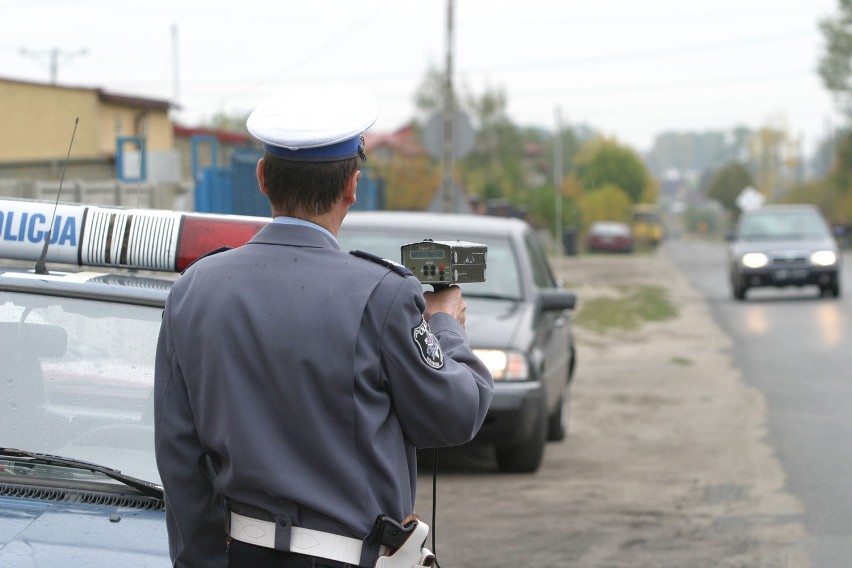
665	464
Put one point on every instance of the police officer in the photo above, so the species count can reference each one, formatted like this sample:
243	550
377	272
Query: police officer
295	381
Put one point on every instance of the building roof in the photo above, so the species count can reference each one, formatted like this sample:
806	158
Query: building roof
403	140
127	100
225	136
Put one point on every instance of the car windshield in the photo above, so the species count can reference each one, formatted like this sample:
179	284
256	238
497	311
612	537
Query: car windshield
610	229
76	380
501	279
783	225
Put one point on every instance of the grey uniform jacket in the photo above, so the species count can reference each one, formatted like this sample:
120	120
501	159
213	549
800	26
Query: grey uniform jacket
293	377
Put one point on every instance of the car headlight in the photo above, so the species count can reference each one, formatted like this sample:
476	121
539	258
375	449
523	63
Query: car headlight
823	258
754	260
504	365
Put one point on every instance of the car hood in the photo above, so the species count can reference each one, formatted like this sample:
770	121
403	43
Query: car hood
743	247
495	323
46	534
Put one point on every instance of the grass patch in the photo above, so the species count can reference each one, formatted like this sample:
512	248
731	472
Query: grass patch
636	305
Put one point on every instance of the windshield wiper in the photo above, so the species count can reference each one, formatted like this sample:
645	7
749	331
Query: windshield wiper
142	486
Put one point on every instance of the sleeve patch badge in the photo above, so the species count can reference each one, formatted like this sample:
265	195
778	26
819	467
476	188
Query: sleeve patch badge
427	343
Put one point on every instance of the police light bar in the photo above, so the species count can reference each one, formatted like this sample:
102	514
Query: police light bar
145	239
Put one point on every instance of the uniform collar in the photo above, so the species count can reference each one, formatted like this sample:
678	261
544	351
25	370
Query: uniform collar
294	234
283	219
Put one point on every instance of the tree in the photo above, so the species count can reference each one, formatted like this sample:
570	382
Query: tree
727	184
494	168
841	175
572	139
603	162
609	202
823	159
835	66
411	182
429	97
509	163
774	159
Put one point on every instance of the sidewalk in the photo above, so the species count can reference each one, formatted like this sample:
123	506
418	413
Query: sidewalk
666	428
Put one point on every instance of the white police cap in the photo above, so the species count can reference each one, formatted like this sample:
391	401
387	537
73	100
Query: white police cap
314	122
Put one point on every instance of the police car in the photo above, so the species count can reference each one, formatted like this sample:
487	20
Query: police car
78	479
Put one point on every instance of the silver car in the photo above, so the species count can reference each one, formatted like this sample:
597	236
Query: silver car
783	245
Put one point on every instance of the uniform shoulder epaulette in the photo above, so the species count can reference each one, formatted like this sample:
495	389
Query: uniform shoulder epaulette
205	255
395	266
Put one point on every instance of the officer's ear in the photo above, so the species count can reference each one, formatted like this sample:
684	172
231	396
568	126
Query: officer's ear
351	189
261	179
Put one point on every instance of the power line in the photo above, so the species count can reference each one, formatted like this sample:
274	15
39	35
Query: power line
656	53
719	81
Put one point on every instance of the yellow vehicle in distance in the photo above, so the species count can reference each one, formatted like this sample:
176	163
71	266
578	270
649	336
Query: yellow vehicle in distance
647	225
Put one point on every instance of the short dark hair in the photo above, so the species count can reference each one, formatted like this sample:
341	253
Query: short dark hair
295	186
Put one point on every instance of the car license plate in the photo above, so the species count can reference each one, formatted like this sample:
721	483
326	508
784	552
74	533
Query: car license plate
790	274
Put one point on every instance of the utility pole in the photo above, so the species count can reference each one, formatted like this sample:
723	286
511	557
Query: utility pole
53	57
175	67
557	179
448	201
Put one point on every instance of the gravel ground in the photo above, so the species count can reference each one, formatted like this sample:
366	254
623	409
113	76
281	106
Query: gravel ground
665	464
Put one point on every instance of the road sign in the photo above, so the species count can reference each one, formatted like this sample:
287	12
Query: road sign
750	199
463	135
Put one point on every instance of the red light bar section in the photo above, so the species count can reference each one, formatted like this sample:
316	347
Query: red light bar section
202	234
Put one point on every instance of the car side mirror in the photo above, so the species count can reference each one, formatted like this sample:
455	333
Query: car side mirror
557	299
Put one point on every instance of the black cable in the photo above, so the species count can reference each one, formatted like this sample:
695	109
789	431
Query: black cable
434	501
41	267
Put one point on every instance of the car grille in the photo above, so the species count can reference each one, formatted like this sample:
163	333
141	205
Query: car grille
781	259
80	496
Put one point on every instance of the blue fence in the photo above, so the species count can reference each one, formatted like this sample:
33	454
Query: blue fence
235	190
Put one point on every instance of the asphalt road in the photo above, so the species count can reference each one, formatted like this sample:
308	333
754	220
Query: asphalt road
796	348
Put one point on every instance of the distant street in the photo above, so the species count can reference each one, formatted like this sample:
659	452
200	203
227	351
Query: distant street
797	349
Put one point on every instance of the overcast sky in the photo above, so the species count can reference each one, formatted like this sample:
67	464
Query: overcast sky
629	68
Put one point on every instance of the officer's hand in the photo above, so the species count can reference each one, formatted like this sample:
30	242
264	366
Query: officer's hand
449	301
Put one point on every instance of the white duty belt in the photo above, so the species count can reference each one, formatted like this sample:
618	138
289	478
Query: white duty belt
303	541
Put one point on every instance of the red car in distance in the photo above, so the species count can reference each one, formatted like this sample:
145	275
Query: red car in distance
609	236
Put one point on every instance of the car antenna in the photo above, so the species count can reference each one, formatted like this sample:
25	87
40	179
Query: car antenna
40	267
